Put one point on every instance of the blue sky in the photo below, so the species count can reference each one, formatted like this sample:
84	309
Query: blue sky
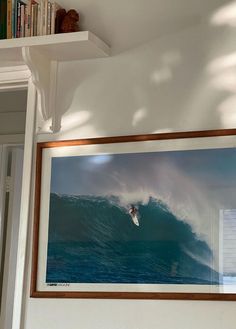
104	173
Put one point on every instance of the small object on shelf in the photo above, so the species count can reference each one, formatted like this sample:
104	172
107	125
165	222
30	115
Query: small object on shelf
70	22
60	14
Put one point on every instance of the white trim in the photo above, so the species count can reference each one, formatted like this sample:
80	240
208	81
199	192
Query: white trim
56	118
44	76
3	173
24	212
40	67
12	228
14	77
58	46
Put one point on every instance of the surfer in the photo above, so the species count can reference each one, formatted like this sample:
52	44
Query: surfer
133	211
134	215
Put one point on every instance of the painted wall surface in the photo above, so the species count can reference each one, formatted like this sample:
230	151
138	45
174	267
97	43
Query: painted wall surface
12	112
182	82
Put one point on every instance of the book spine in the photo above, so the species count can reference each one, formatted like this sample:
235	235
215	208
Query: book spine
39	18
22	20
14	23
9	19
3	19
31	18
35	17
55	7
49	14
27	24
18	20
44	17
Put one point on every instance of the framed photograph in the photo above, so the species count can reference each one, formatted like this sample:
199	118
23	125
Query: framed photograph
145	217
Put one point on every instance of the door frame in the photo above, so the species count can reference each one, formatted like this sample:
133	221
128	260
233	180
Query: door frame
18	78
3	173
11	191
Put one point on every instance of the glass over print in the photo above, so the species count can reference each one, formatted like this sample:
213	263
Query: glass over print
128	218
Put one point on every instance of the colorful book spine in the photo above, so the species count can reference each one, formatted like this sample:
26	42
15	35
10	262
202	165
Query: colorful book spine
27	21
25	18
9	19
18	19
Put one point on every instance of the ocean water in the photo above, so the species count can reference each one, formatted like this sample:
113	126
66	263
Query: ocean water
93	240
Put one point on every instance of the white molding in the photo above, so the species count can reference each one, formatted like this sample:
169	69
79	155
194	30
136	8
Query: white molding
3	174
14	77
56	118
61	47
15	183
25	204
44	76
39	66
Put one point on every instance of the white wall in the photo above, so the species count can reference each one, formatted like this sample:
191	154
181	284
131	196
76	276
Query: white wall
181	82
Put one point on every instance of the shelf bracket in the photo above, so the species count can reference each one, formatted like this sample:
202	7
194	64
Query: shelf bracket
44	76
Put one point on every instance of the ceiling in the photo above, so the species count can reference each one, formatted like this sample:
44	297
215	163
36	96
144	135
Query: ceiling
124	24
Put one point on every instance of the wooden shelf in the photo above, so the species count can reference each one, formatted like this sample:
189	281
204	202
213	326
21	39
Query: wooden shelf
59	47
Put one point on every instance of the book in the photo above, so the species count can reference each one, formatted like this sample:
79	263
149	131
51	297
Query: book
27	21
3	19
34	18
25	18
22	20
18	20
44	16
30	17
14	18
39	18
33	13
9	19
49	15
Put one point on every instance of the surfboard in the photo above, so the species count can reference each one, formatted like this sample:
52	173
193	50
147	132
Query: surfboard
134	216
135	219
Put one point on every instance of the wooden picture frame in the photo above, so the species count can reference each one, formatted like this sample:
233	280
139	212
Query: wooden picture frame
138	217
